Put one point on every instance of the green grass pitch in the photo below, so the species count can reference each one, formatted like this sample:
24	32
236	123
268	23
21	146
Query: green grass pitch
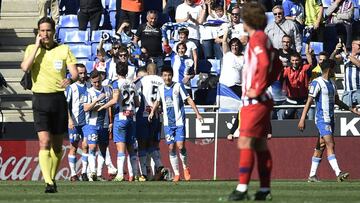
193	191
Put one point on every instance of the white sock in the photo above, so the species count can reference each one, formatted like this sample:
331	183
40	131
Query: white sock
108	161
183	157
174	163
333	163
315	161
241	187
72	163
100	164
142	160
134	164
92	162
155	155
120	164
84	161
130	169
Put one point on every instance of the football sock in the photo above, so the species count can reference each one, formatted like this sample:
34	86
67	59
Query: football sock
56	159
155	155
246	165
108	161
315	161
100	164
72	164
264	162
183	157
120	164
174	162
46	165
92	160
142	160
242	187
134	164
333	163
129	166
84	162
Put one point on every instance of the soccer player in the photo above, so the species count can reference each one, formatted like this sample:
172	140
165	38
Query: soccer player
148	133
323	91
256	106
127	99
75	97
172	95
96	97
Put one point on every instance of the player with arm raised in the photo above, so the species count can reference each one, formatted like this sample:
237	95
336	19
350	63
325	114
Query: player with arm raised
323	91
172	95
127	99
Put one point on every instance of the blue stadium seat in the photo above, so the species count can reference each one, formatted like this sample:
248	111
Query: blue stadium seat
204	66
68	21
62	32
112	15
106	46
77	36
316	46
356	14
89	66
105	4
96	35
270	17
194	81
326	3
112	5
81	51
215	66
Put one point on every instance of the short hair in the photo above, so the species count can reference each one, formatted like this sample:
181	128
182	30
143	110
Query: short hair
253	14
183	31
295	54
122	68
94	74
123	49
324	53
167	69
181	44
81	65
278	7
46	20
139	70
151	12
327	64
288	36
218	7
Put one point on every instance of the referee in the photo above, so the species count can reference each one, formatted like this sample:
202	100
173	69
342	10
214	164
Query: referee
47	62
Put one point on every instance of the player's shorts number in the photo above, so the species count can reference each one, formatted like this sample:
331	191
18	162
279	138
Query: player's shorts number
169	138
75	137
93	137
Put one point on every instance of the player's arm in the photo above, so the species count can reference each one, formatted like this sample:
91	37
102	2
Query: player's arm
343	106
153	110
70	121
193	106
90	106
301	125
113	100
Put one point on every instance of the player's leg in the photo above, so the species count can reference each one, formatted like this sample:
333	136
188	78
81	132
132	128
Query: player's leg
84	159
103	143
119	131
73	139
132	149
92	142
154	149
170	141
112	171
142	136
180	143
316	159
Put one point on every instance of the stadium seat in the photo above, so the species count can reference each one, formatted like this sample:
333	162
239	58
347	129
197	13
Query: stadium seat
316	46
194	81
76	36
204	66
215	66
62	32
67	21
105	4
81	51
356	14
96	35
270	17
326	3
112	5
112	15
89	66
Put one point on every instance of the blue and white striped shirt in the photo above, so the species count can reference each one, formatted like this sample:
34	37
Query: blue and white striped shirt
75	97
94	117
352	76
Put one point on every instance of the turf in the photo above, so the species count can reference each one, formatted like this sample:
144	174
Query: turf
194	191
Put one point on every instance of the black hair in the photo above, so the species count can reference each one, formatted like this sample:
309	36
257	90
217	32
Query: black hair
94	74
327	64
295	54
46	20
236	41
183	30
324	53
181	44
167	69
80	65
121	68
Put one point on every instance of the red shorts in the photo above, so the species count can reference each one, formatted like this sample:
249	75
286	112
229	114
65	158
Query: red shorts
255	119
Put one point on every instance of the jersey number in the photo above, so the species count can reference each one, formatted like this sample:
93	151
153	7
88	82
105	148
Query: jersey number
154	93
128	98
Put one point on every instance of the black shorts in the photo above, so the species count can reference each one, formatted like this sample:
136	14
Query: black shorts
50	112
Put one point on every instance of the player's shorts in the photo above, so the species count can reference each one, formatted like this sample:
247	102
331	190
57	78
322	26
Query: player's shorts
148	130
174	134
104	136
124	130
76	134
92	133
50	112
325	128
255	119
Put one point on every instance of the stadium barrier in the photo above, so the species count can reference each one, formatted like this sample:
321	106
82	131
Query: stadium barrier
211	156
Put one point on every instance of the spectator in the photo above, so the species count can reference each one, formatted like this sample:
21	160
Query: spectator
131	10
69	7
209	33
313	20
296	79
340	13
194	15
316	72
125	33
44	5
276	30
233	63
286	50
90	10
294	10
351	95
191	49
169	7
150	36
122	55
